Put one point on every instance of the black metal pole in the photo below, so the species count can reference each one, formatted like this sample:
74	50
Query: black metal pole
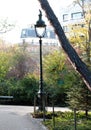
41	77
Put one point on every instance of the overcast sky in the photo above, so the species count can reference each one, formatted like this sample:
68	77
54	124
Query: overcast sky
25	12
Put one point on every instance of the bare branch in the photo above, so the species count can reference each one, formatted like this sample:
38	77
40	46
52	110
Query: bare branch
5	26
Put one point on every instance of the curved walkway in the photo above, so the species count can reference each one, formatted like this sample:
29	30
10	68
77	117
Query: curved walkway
18	118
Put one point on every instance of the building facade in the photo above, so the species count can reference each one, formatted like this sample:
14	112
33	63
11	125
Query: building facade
76	23
49	41
74	15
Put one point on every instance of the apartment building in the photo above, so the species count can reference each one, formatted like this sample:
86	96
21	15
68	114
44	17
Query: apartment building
49	41
74	15
76	23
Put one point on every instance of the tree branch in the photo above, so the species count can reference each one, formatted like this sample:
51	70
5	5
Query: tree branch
77	63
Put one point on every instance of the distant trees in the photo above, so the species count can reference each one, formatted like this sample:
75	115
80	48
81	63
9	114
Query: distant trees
54	76
24	90
17	75
5	58
22	64
4	64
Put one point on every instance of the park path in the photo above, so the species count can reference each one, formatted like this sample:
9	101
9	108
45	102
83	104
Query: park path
18	118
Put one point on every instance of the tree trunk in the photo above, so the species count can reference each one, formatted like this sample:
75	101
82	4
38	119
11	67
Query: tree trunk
69	50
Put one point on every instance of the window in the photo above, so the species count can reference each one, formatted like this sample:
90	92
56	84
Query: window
77	15
48	34
23	33
65	17
65	28
26	33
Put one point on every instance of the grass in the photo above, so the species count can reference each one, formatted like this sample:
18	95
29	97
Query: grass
65	121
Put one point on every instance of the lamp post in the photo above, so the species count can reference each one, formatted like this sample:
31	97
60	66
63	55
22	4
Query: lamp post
40	29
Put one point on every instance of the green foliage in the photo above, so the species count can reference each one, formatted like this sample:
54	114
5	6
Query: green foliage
53	65
54	71
65	121
4	64
78	95
3	88
16	66
48	115
25	90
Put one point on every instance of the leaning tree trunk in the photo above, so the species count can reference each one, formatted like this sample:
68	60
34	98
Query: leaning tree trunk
69	50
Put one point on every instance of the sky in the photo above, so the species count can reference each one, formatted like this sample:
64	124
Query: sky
25	12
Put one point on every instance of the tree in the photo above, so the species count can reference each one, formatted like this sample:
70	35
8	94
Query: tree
4	68
86	9
17	75
4	64
25	90
5	26
79	96
77	63
22	64
53	65
79	40
54	71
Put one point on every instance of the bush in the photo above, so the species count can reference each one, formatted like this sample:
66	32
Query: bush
57	128
65	121
48	115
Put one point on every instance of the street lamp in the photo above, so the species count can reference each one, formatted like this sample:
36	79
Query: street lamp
40	29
